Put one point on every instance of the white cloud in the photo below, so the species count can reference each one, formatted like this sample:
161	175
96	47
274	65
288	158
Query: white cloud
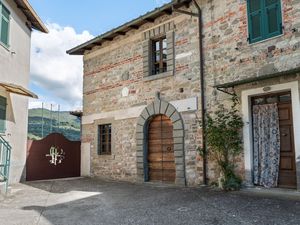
55	71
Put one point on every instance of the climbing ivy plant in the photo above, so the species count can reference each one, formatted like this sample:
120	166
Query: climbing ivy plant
224	143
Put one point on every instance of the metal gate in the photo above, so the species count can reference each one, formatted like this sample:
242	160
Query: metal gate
52	157
5	152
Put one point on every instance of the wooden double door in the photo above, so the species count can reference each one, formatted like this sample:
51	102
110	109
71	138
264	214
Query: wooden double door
161	160
287	165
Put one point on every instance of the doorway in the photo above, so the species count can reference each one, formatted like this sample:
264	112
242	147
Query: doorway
266	154
161	160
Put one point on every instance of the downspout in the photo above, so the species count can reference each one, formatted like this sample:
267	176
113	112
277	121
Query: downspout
203	108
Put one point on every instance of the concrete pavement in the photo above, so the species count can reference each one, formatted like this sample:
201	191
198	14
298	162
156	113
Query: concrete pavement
93	201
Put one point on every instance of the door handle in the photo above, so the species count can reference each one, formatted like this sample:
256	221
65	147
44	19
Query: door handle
284	135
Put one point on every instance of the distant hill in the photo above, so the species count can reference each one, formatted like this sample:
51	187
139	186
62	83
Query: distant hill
62	122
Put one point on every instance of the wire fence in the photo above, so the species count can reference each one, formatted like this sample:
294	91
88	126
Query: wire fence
48	119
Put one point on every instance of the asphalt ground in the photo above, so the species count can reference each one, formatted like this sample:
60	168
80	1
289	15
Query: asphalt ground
94	201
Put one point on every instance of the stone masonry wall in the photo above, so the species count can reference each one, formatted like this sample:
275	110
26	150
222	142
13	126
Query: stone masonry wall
228	57
119	64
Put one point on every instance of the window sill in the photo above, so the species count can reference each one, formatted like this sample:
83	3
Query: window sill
6	47
104	154
158	76
265	40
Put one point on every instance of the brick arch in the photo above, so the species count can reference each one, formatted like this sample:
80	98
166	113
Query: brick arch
160	107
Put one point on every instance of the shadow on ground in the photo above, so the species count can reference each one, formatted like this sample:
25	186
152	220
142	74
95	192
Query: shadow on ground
92	201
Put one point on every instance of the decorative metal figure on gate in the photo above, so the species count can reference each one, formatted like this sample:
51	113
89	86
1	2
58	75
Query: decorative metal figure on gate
57	155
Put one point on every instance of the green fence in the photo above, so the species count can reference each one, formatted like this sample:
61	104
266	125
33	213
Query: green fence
5	151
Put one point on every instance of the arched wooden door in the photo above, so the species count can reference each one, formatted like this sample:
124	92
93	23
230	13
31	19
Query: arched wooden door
161	160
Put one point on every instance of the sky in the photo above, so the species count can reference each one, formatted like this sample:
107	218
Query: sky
55	76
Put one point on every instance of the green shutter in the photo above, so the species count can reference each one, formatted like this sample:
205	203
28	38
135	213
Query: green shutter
2	114
255	21
5	12
4	24
4	31
264	19
273	25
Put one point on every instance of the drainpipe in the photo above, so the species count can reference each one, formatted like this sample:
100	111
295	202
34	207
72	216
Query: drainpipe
201	55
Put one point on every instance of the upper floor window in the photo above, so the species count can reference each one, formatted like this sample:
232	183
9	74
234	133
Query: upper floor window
264	19
104	139
2	114
159	56
158	52
4	24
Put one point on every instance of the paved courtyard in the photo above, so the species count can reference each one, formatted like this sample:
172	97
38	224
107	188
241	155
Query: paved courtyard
93	201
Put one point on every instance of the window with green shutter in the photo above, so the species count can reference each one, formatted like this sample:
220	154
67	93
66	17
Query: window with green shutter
2	114
4	25
264	19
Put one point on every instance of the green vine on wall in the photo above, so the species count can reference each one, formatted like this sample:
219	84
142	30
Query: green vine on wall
224	143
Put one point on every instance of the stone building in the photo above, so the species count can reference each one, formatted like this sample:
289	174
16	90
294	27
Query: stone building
142	99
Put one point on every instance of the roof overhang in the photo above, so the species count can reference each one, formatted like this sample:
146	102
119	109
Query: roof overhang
31	15
223	87
17	89
132	25
77	113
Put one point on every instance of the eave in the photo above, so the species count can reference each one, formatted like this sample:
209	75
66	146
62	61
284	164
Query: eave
17	89
31	15
258	78
132	25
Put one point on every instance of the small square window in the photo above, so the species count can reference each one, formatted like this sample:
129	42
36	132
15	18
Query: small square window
285	98
159	56
104	139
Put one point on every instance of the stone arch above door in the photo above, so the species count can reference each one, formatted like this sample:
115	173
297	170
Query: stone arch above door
160	107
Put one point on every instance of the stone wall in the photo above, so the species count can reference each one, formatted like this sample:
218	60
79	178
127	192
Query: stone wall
229	56
118	64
